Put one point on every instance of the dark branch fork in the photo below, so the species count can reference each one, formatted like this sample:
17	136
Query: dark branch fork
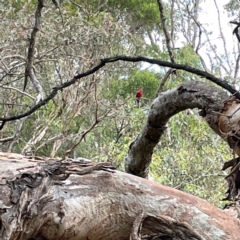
235	31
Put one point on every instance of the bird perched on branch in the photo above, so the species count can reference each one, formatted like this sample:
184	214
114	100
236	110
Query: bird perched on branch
139	95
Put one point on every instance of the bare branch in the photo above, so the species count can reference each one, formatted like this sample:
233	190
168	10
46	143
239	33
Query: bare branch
24	93
236	67
57	5
213	49
97	121
160	88
203	62
38	135
29	72
222	35
183	28
104	61
167	35
235	31
168	38
194	16
186	68
16	133
15	137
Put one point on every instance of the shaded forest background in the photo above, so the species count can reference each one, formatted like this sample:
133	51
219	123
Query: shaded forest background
98	113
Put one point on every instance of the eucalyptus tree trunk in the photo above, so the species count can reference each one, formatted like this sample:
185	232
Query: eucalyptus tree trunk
55	199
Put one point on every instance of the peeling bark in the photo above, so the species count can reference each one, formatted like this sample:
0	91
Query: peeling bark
76	200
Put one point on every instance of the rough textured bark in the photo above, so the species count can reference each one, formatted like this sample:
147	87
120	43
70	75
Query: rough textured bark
193	94
76	200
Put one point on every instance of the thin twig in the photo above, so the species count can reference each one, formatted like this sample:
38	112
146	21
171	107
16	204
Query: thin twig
24	93
222	35
98	120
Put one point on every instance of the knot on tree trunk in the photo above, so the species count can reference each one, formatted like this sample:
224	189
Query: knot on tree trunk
147	226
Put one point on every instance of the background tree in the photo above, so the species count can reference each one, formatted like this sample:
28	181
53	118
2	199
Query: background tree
72	42
63	94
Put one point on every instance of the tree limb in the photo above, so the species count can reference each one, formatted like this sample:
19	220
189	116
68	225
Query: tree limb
29	72
235	31
104	61
161	85
222	36
192	94
169	39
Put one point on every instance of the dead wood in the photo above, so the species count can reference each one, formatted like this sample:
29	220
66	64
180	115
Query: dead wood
43	198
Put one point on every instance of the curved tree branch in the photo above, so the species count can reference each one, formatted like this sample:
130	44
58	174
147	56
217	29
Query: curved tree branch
193	94
104	61
200	73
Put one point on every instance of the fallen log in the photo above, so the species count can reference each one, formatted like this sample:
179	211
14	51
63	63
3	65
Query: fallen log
43	198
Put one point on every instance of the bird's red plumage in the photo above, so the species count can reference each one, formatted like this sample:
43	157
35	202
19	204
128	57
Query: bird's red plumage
139	93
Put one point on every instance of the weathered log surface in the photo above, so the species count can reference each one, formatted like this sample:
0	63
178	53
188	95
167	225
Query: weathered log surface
71	200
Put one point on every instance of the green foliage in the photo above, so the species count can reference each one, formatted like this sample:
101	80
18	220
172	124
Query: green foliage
142	11
154	51
126	87
186	55
232	8
111	139
190	158
17	5
137	12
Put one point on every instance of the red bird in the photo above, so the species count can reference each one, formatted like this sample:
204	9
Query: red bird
139	95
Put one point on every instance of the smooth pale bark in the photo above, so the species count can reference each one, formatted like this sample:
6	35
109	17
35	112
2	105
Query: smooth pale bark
192	94
75	200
